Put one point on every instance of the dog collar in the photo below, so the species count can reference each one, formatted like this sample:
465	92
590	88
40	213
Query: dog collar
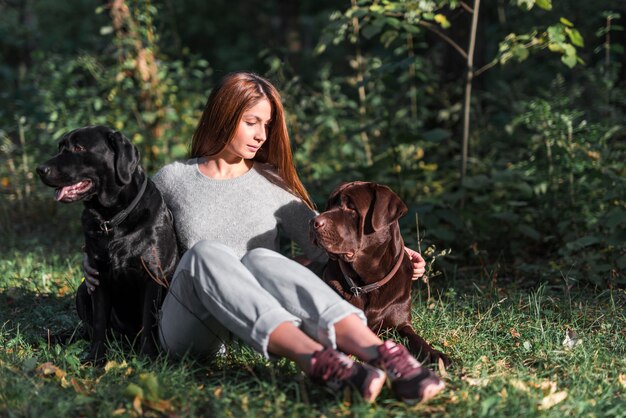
358	290
107	226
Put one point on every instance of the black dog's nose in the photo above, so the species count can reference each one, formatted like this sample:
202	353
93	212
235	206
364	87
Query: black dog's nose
43	170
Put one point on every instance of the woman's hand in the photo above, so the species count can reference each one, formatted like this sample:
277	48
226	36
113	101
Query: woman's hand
91	275
305	261
419	265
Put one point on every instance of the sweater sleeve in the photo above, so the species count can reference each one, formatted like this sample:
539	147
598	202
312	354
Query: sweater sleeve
294	219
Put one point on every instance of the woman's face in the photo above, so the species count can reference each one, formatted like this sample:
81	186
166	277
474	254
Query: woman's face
251	132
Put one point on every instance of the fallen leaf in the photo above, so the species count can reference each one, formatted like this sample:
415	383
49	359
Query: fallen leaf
63	290
79	387
112	364
571	339
546	386
49	370
503	393
552	399
514	333
137	405
159	406
622	380
519	385
480	382
442	368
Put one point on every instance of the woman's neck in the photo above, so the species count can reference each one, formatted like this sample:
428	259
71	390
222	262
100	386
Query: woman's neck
219	168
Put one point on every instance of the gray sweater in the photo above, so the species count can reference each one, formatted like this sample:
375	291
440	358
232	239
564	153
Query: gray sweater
243	213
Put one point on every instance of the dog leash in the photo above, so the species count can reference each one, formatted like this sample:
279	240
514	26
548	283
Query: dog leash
358	290
107	226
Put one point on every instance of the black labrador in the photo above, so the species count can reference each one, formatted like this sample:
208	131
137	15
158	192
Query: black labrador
129	234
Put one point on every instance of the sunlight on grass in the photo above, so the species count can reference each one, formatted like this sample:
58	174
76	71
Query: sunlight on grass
535	352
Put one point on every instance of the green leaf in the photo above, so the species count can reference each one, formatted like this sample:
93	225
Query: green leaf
544	4
555	47
509	217
569	60
133	390
371	30
393	22
615	217
388	37
106	30
575	37
525	4
556	34
583	242
442	20
519	53
529	231
566	22
436	135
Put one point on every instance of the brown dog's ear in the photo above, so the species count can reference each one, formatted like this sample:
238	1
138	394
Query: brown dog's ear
126	156
388	207
332	199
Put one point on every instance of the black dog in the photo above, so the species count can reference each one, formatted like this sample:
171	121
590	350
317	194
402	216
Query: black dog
129	234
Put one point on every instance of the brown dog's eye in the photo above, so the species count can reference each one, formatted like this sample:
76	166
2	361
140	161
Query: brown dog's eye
78	148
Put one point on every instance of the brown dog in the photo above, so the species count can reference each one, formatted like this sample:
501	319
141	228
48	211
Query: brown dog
368	265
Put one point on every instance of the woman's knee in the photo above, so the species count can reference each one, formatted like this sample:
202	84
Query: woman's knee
207	250
258	257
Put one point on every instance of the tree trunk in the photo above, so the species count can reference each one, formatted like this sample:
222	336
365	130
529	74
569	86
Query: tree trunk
468	91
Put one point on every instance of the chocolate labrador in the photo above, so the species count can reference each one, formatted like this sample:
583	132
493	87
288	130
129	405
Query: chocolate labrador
128	230
368	265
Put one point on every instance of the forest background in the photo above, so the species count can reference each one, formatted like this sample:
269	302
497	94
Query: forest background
513	169
500	124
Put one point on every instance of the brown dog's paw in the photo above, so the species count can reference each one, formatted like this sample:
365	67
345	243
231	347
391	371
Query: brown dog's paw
434	357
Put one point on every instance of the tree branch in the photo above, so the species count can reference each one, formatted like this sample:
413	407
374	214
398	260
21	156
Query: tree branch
485	68
466	7
443	36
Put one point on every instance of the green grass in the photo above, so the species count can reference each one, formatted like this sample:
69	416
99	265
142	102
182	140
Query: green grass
506	339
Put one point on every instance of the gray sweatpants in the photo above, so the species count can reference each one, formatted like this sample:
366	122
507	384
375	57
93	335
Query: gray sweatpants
214	293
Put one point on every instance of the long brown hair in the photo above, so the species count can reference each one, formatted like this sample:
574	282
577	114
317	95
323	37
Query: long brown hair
230	98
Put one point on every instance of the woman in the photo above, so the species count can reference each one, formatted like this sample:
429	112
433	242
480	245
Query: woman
228	202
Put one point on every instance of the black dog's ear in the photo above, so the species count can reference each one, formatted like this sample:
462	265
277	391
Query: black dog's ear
126	156
388	207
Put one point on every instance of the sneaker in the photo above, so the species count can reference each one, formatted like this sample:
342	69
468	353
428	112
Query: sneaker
410	381
337	371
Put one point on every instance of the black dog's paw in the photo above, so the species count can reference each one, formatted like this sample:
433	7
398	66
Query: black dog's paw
95	356
149	350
